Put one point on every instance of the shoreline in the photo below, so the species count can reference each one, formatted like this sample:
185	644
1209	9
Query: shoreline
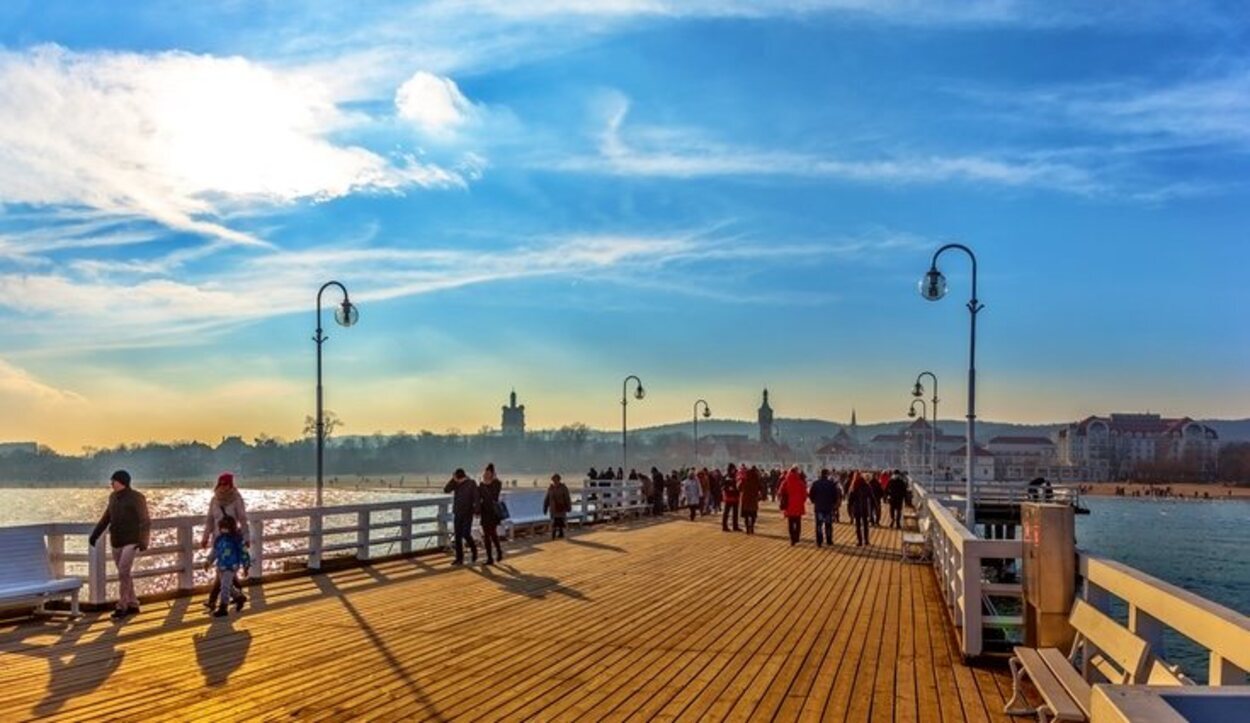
1158	490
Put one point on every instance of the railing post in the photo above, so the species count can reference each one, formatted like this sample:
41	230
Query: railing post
405	519
97	572
362	535
585	505
56	551
1148	628
1222	672
186	556
443	541
314	540
256	531
971	596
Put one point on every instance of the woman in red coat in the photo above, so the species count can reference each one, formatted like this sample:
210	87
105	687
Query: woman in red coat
793	493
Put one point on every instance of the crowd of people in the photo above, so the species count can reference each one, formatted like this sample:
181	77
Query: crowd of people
735	494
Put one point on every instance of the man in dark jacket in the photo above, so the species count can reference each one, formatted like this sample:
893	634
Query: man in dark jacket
463	505
558	503
824	495
895	494
130	530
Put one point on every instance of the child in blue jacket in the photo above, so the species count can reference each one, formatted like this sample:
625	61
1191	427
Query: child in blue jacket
230	557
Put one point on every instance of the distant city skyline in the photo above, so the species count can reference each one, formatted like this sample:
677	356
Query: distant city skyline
715	196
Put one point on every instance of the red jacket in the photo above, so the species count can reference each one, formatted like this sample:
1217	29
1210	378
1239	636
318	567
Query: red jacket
795	490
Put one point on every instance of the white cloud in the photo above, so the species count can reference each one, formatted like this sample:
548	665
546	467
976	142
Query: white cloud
179	138
433	103
16	382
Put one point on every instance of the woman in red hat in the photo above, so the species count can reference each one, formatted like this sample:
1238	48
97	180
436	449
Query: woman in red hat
226	502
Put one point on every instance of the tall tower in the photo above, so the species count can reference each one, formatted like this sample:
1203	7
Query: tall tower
766	420
854	427
513	424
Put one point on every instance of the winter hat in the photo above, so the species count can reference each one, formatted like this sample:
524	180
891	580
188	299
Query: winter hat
121	477
225	479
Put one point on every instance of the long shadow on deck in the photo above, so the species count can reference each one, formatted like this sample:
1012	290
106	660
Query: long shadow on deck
512	580
428	710
220	650
84	669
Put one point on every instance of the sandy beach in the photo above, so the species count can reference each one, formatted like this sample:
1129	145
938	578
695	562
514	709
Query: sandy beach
1186	490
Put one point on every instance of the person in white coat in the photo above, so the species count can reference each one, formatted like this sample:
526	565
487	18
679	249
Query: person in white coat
692	494
226	502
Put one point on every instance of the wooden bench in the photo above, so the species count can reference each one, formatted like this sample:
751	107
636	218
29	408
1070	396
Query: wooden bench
915	547
911	521
26	578
1103	648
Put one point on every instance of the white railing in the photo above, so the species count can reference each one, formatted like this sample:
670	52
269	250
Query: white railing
957	560
1154	605
1005	492
307	537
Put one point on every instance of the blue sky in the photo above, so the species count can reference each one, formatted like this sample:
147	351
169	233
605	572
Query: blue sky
716	196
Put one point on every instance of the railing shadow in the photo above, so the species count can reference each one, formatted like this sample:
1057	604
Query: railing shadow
84	669
594	545
428	710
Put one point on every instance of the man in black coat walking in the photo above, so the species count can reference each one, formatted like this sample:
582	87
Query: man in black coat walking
463	505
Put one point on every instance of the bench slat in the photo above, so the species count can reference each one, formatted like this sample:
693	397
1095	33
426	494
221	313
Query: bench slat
1068	677
1116	643
1048	686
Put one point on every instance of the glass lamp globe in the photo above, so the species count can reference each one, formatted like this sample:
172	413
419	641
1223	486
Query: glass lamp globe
640	393
933	285
918	391
347	314
911	412
707	412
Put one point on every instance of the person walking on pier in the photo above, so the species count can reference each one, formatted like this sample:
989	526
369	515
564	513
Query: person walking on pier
895	495
729	495
558	503
489	499
229	557
839	492
672	489
657	490
692	493
792	498
824	495
876	487
226	502
750	490
859	504
130	530
463	505
715	484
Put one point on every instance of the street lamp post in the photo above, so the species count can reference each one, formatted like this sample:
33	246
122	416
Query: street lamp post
924	415
639	393
707	412
346	315
917	391
933	287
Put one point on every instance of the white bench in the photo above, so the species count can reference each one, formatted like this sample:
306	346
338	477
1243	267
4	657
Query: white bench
525	512
915	547
26	577
1104	648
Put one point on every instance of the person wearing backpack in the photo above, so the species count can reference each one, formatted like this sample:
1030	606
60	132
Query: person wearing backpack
225	502
229	557
824	496
490	512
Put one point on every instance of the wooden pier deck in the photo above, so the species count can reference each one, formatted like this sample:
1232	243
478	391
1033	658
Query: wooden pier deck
649	620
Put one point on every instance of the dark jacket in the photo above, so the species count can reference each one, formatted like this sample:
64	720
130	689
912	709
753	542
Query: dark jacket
464	496
896	490
126	518
824	495
488	494
558	501
749	491
859	501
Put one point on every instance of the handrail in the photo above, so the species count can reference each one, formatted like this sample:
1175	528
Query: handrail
412	525
957	556
1154	604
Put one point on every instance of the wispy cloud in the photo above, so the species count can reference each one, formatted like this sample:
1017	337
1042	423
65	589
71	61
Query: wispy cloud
679	153
179	138
18	383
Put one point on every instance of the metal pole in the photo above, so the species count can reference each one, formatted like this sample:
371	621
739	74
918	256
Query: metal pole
707	411
933	425
974	307
321	429
624	420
